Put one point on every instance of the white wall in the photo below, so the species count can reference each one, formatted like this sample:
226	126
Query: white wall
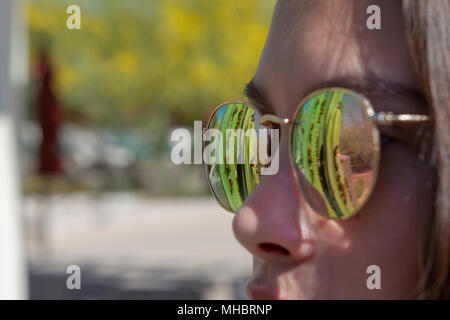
13	283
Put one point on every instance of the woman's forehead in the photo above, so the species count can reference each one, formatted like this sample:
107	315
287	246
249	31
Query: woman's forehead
313	42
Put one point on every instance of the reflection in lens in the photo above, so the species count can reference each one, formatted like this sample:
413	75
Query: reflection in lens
335	149
234	172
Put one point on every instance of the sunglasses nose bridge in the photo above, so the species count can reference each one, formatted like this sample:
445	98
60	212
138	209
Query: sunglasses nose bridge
268	119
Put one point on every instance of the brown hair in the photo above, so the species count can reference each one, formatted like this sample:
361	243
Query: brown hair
428	35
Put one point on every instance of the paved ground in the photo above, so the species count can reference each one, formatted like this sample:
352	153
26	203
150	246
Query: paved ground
128	246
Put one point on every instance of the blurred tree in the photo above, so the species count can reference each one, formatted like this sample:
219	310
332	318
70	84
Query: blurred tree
150	63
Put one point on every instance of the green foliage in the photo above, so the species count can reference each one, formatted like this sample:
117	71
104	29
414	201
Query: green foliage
141	63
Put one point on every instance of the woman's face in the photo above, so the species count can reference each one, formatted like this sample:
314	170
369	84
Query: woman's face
299	254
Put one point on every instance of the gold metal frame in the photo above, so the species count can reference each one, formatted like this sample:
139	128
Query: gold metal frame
376	118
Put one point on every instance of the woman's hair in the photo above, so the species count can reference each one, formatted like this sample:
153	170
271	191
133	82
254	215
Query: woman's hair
428	36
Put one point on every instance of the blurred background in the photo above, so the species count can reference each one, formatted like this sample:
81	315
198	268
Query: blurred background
85	123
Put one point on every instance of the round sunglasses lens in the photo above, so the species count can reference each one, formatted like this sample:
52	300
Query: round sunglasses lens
335	148
230	151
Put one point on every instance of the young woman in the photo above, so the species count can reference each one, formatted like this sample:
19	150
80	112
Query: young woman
347	205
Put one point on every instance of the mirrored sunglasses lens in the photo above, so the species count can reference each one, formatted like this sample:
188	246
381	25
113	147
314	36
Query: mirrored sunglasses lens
231	151
335	148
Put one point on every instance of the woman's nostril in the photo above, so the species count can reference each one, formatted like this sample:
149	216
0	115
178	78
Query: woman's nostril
273	248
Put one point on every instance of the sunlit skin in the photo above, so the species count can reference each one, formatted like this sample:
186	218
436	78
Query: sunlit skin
299	254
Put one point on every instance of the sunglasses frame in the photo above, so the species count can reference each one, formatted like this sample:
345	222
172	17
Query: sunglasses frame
367	108
375	119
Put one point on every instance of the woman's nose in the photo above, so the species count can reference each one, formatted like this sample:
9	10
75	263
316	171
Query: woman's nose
273	223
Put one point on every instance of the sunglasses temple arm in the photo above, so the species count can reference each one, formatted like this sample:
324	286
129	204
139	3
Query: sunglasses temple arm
380	118
389	118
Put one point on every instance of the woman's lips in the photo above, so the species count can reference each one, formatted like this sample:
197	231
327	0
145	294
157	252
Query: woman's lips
262	291
267	280
262	285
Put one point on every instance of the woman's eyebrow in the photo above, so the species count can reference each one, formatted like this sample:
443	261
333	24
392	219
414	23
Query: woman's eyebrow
367	85
256	94
384	91
370	85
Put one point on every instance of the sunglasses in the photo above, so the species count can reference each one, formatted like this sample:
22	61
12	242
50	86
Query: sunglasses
334	148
